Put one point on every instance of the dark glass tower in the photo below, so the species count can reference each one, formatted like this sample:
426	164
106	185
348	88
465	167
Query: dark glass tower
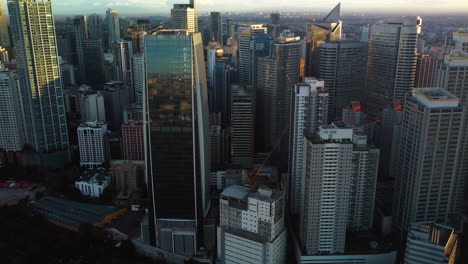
177	143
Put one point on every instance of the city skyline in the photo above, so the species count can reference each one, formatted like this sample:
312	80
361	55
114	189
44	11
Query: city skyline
147	7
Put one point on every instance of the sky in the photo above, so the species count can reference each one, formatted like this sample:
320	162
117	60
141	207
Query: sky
348	6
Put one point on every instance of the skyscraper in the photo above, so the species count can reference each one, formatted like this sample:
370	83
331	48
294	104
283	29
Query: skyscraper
343	65
216	26
11	119
310	109
95	26
185	16
392	59
113	27
4	36
138	77
277	76
429	186
90	104
133	143
275	18
328	29
426	69
33	34
81	35
123	54
177	138
245	34
242	127
92	141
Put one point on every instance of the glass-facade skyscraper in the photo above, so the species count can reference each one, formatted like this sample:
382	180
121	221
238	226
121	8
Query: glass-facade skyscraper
113	27
33	32
177	142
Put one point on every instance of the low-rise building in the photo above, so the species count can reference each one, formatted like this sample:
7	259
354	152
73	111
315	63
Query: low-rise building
93	182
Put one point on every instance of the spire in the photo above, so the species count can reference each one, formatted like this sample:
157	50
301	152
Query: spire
334	15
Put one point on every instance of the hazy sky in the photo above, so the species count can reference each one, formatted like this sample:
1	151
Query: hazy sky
163	6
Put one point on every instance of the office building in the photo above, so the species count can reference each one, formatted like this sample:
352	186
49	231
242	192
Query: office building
127	176
68	73
251	228
230	28
177	142
81	35
310	109
245	34
216	146
216	27
428	184
225	75
116	98
133	147
277	76
340	176
113	27
138	78
275	18
4	36
185	16
123	54
95	26
93	182
90	104
94	62
242	127
329	29
429	243
342	65
93	144
33	32
392	59
426	70
11	119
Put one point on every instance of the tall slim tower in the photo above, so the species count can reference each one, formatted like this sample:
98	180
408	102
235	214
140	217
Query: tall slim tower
177	138
310	110
216	26
81	35
33	32
4	36
328	29
11	120
185	16
242	127
123	54
343	65
95	26
113	26
429	186
392	59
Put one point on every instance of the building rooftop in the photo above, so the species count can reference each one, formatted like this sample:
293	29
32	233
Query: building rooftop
93	124
73	214
236	191
243	193
435	97
95	176
430	232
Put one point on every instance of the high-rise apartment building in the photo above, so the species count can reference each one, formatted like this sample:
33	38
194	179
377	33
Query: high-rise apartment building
277	76
251	226
177	138
338	188
90	104
342	66
392	59
116	98
11	119
245	34
353	115
4	36
426	69
113	27
33	32
139	78
133	143
95	26
329	29
93	145
242	126
428	185
309	112
185	16
216	27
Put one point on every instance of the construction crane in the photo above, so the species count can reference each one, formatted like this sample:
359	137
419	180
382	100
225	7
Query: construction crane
252	174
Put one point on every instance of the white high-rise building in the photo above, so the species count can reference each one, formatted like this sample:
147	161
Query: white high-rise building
251	226
309	110
428	184
338	188
185	16
93	144
11	121
139	78
91	104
